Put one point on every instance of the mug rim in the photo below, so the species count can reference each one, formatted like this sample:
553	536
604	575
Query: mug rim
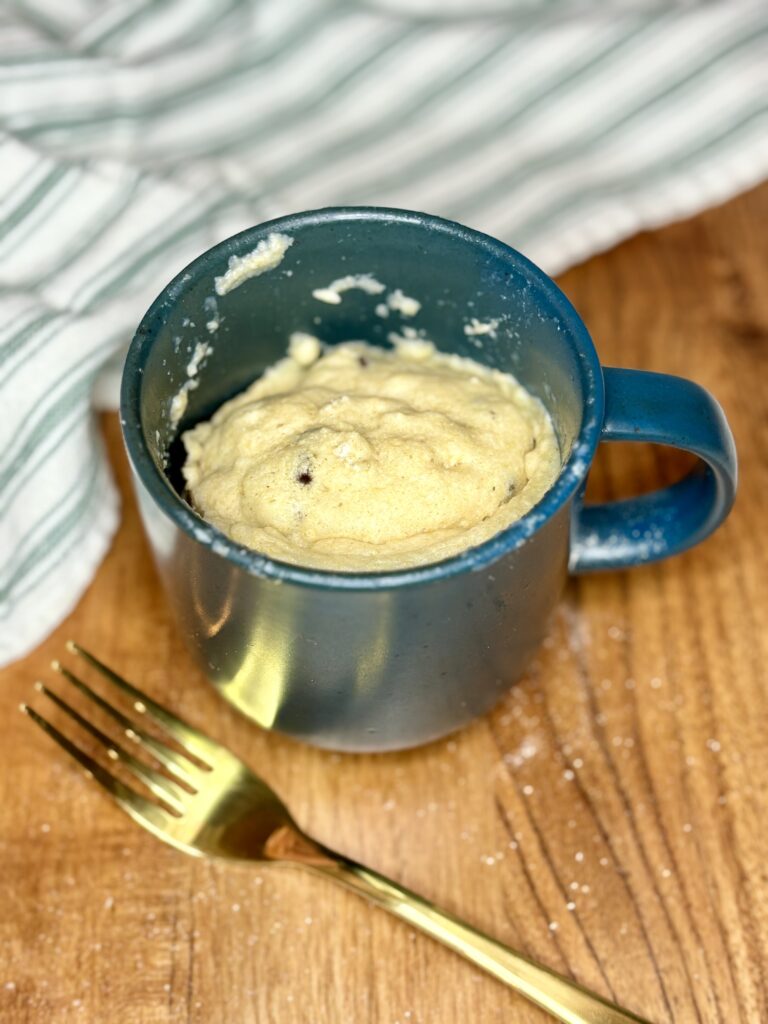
572	473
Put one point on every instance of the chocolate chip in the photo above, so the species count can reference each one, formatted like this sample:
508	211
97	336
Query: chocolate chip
305	477
362	360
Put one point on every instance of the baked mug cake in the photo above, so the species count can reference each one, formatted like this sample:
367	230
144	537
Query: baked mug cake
368	557
359	458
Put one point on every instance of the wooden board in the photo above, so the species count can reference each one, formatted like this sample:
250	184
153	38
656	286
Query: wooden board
608	818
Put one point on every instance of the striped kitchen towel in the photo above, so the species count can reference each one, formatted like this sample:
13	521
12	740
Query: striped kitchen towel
134	134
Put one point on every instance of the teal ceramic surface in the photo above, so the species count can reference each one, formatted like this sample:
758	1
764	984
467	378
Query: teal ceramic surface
381	661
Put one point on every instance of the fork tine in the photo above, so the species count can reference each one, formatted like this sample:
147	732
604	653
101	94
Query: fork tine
179	764
143	811
163	788
198	744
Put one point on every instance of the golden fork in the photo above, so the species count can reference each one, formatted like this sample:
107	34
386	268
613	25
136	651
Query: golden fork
208	803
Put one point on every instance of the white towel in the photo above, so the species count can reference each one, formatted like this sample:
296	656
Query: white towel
134	134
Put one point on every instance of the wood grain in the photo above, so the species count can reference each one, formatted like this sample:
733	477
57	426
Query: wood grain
608	818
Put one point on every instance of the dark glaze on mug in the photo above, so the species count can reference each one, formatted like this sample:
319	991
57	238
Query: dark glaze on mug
382	661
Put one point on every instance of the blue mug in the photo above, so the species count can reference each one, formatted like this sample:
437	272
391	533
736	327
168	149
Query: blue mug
382	661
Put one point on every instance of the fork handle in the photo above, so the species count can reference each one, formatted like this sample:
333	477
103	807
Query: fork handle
562	998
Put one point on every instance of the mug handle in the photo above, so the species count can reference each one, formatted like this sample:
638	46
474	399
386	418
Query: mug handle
662	409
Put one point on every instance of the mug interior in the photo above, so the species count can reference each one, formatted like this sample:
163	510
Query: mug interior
458	276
